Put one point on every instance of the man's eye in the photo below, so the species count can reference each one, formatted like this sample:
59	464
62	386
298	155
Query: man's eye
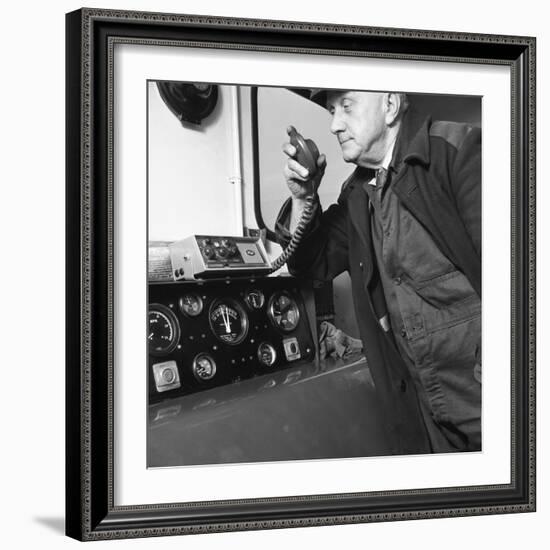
346	106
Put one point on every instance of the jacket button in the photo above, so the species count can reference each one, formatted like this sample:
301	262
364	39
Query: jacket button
403	333
360	265
397	280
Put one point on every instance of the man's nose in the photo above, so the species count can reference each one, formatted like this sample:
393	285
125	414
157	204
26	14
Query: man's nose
336	124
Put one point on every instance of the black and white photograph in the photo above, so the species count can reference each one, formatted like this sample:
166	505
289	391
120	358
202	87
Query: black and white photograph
301	274
270	275
314	273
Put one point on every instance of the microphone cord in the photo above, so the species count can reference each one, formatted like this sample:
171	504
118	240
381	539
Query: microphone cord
305	219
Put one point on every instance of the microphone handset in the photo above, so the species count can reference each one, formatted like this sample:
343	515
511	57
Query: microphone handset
307	154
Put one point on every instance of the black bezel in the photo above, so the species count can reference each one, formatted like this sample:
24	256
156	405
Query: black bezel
182	309
176	327
271	313
273	351
247	294
244	319
194	367
90	510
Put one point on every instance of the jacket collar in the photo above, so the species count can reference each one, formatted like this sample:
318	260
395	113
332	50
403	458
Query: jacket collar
412	145
413	141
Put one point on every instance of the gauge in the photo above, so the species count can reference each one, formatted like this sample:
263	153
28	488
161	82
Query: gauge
266	354
283	311
204	367
228	321
255	299
191	304
164	330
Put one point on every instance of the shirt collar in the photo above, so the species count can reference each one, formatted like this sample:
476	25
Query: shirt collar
412	145
385	162
389	155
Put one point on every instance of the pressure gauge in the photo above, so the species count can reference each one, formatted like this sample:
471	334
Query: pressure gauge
191	305
255	298
266	354
164	330
283	311
228	321
204	367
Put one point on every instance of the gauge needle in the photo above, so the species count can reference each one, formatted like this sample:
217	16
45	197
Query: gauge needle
150	336
227	326
226	320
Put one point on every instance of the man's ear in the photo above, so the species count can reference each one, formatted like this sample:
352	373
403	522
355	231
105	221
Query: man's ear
392	107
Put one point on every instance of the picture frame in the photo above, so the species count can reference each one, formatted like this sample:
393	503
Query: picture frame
91	509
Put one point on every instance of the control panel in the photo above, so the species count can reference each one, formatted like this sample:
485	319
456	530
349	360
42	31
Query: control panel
202	256
203	334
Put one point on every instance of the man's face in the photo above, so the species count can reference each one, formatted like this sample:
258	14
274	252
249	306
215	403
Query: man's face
358	121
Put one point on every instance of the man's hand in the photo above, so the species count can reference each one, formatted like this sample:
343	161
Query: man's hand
299	180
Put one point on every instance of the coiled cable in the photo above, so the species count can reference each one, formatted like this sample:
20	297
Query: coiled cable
305	219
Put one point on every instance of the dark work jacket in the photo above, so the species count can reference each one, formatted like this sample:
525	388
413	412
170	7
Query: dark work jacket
438	179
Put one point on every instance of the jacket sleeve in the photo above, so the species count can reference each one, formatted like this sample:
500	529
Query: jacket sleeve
323	252
466	184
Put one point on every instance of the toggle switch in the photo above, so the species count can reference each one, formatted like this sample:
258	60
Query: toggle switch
292	349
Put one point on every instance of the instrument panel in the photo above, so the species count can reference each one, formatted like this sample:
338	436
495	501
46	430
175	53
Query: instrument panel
206	256
203	334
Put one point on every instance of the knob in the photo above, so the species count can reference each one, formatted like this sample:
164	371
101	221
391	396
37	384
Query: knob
208	251
222	252
168	375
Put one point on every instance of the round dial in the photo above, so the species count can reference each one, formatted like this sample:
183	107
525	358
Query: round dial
255	299
283	311
208	252
204	367
191	304
164	330
222	252
228	321
266	354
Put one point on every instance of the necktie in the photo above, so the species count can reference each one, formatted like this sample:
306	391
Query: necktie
381	178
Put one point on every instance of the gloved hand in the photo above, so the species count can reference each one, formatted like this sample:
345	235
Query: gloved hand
334	341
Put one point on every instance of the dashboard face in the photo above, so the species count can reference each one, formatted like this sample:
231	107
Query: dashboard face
203	334
283	311
164	330
191	304
255	298
204	367
228	321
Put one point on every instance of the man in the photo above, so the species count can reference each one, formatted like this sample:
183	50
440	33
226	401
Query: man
407	227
